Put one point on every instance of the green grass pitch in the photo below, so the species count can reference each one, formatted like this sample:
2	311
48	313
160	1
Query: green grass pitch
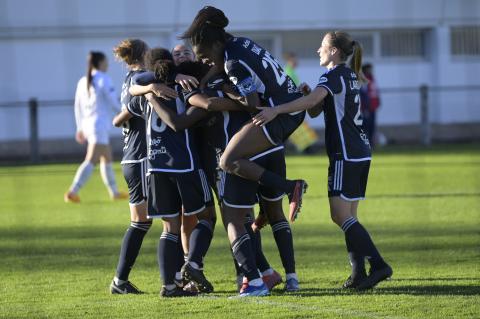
422	210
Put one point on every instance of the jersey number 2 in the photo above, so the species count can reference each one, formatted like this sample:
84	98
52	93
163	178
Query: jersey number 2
279	74
358	120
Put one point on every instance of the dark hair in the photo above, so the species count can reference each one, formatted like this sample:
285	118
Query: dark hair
208	27
160	62
93	61
131	51
196	69
344	43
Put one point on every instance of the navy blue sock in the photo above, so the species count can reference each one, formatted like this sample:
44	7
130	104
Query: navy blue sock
242	250
273	180
362	243
200	240
132	241
284	240
167	254
180	255
256	240
356	260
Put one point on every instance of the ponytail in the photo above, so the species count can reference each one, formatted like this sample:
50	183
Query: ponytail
356	61
348	49
93	62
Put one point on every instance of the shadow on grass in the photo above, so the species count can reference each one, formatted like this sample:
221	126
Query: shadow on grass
421	290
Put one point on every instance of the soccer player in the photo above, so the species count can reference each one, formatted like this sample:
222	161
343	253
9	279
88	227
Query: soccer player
176	183
95	102
254	72
348	150
218	127
134	166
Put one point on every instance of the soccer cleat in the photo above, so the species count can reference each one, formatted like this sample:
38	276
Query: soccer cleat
125	288
190	286
119	196
375	277
352	283
255	291
272	280
292	285
295	198
70	197
176	292
198	277
259	222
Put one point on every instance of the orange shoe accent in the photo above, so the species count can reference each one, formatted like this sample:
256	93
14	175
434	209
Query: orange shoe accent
295	199
70	197
120	195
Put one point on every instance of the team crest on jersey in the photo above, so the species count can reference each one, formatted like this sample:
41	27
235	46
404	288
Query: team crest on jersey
322	80
234	80
246	87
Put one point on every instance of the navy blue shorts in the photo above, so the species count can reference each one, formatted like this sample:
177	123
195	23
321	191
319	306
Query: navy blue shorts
348	179
238	192
282	126
135	176
167	192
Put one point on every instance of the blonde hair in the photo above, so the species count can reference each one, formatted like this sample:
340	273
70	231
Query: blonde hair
131	51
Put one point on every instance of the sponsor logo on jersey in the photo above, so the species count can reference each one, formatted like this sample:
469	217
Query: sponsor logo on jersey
246	43
256	49
322	79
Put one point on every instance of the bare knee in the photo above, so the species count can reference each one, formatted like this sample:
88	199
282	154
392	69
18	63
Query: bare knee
227	163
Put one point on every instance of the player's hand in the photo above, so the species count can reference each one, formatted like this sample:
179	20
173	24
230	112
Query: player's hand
149	96
187	82
266	115
163	91
304	88
80	138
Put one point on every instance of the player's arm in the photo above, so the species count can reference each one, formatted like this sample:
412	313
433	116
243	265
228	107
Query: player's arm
214	103
176	122
79	137
121	117
315	111
144	83
244	81
303	103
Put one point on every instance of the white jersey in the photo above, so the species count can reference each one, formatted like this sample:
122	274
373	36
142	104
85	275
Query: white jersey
94	112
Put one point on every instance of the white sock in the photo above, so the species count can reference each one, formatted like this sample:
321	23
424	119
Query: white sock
118	281
108	177
267	272
256	282
84	172
178	275
291	275
170	287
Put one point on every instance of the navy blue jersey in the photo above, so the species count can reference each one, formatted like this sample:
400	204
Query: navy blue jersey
135	146
168	151
218	128
251	68
344	137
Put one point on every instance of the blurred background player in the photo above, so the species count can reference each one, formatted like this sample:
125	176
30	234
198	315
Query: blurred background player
370	98
95	104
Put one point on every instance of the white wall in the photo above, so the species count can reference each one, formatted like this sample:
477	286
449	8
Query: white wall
43	45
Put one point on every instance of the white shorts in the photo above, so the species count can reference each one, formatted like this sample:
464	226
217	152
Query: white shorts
98	137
